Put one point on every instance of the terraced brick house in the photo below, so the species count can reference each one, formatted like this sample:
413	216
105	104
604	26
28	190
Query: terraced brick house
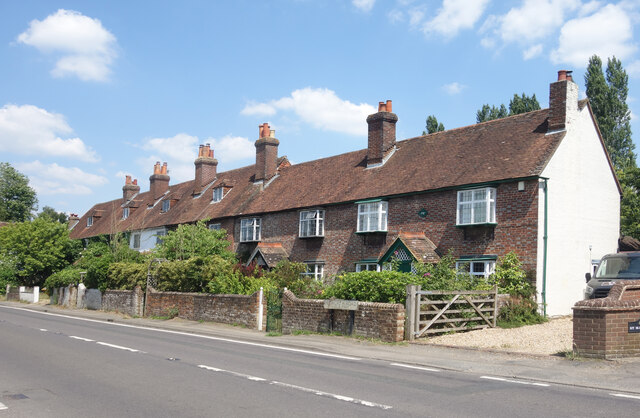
539	183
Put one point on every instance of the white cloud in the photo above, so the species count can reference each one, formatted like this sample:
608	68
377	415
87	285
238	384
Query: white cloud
605	33
87	48
364	5
30	130
416	16
181	150
454	16
321	108
395	16
453	88
54	179
532	52
633	68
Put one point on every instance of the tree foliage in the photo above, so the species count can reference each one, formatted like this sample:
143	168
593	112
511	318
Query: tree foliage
608	98
630	205
17	199
191	240
517	105
432	125
39	248
50	213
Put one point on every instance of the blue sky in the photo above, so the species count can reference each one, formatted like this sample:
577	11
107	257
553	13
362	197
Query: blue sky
92	91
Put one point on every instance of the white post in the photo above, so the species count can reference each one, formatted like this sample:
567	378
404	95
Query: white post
260	310
36	294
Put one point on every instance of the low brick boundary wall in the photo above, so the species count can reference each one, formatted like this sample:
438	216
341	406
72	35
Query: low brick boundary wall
129	302
601	326
384	321
227	309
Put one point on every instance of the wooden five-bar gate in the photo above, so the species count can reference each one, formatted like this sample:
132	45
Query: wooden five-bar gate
439	311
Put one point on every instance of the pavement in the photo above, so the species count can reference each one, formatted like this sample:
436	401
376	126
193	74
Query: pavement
622	375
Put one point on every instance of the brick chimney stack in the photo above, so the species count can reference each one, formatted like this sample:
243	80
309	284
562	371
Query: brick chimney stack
382	133
129	189
73	220
159	180
266	153
206	168
563	101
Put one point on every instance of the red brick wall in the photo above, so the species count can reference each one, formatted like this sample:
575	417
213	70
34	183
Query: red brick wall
341	247
601	326
372	320
129	302
227	309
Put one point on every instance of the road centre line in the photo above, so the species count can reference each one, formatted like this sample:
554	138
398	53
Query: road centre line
3	406
43	330
300	388
119	347
409	366
81	338
622	395
208	337
521	382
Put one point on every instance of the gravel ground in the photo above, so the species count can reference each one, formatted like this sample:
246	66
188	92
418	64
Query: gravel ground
552	337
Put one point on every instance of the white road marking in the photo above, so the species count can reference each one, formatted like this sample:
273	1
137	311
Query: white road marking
3	406
119	347
208	337
408	366
521	382
43	330
622	395
81	338
300	388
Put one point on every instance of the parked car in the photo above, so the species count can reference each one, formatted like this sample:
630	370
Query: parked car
612	268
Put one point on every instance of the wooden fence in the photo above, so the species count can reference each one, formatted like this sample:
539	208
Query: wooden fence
438	311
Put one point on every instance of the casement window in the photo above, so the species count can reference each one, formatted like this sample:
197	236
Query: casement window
476	206
215	227
135	241
125	213
218	194
166	205
89	221
367	267
312	223
315	270
250	229
159	235
372	216
482	268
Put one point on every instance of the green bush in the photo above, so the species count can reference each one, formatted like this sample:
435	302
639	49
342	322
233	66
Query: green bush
194	240
126	276
63	278
95	260
289	274
223	277
181	275
444	276
372	286
519	311
8	273
510	277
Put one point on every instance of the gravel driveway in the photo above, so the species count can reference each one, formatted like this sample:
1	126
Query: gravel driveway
552	337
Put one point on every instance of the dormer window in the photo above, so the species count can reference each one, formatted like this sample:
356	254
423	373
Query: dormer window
125	213
311	223
218	194
89	221
166	205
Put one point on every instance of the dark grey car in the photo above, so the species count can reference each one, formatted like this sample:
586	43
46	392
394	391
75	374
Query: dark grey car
612	268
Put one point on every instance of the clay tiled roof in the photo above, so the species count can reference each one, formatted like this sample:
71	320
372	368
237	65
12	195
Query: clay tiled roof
271	252
510	148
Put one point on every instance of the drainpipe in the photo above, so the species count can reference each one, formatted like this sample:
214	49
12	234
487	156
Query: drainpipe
544	251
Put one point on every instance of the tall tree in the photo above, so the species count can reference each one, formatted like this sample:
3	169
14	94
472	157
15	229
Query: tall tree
517	105
51	214
487	113
608	98
17	199
433	125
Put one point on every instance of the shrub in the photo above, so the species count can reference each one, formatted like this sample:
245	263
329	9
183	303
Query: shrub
289	274
63	278
8	273
181	275
510	277
194	240
519	311
95	260
126	276
372	286
444	276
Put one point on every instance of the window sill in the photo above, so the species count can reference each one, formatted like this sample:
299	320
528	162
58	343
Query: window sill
248	242
370	232
487	224
310	236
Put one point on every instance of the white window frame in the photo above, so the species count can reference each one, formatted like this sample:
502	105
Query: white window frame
315	270
250	229
373	216
469	201
218	194
315	222
89	221
367	267
215	227
467	267
166	206
136	237
125	213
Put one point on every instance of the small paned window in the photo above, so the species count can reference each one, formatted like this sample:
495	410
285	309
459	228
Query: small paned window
367	267
215	227
136	241
477	206
372	216
166	205
218	194
314	270
482	268
312	223
250	229
125	213
89	221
